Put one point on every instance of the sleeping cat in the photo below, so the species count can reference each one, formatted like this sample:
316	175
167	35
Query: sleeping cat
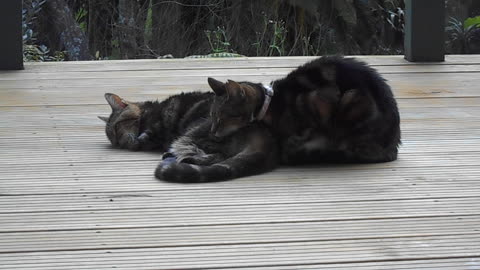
181	125
331	109
153	125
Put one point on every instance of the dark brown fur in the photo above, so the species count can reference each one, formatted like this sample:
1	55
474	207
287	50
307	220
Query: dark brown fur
332	109
153	125
198	157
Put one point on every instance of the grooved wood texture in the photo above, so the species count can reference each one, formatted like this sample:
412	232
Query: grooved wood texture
69	201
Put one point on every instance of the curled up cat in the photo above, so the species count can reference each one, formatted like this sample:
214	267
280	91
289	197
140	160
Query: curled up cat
181	127
332	109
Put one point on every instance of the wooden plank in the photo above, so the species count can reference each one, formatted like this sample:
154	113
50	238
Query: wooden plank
87	115
279	190
318	178
413	129
221	63
17	172
214	72
154	237
238	214
97	149
437	264
426	86
325	252
430	81
410	131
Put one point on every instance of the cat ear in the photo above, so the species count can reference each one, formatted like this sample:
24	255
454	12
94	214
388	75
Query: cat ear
217	86
234	90
115	101
103	118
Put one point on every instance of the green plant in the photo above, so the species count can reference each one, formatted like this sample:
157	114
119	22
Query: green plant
218	40
35	53
81	17
149	24
462	34
29	15
271	39
31	51
260	36
278	39
469	22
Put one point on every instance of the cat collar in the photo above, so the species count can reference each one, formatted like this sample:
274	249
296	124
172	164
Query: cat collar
266	102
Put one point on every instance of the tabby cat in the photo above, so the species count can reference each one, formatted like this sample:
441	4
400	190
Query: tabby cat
332	109
198	157
181	125
153	125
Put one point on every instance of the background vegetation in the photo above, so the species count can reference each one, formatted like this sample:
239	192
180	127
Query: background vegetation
127	29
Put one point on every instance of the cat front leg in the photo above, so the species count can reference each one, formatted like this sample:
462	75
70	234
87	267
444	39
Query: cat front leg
205	159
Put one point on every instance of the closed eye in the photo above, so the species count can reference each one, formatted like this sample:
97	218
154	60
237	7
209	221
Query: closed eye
124	122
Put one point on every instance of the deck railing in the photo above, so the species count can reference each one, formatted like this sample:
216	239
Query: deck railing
425	30
11	47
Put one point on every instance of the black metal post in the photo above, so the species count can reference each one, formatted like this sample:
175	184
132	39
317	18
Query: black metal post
425	30
11	45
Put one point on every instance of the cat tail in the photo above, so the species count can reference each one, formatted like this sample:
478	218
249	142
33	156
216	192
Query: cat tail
238	166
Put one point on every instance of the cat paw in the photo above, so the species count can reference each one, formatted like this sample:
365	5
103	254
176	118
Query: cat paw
198	160
168	155
168	161
189	160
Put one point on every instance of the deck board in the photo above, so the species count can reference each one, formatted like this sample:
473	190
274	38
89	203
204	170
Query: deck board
69	201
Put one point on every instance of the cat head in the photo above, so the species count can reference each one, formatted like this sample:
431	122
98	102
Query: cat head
123	125
234	106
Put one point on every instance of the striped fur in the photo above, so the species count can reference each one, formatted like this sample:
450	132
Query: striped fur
153	125
331	109
181	125
196	157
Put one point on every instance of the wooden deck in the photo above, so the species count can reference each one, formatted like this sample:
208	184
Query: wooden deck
69	201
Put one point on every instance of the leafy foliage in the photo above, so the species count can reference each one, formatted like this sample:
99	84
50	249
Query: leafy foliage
162	29
81	17
32	51
469	22
464	37
218	40
29	15
35	53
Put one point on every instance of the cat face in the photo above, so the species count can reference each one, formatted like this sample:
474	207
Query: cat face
233	107
123	125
